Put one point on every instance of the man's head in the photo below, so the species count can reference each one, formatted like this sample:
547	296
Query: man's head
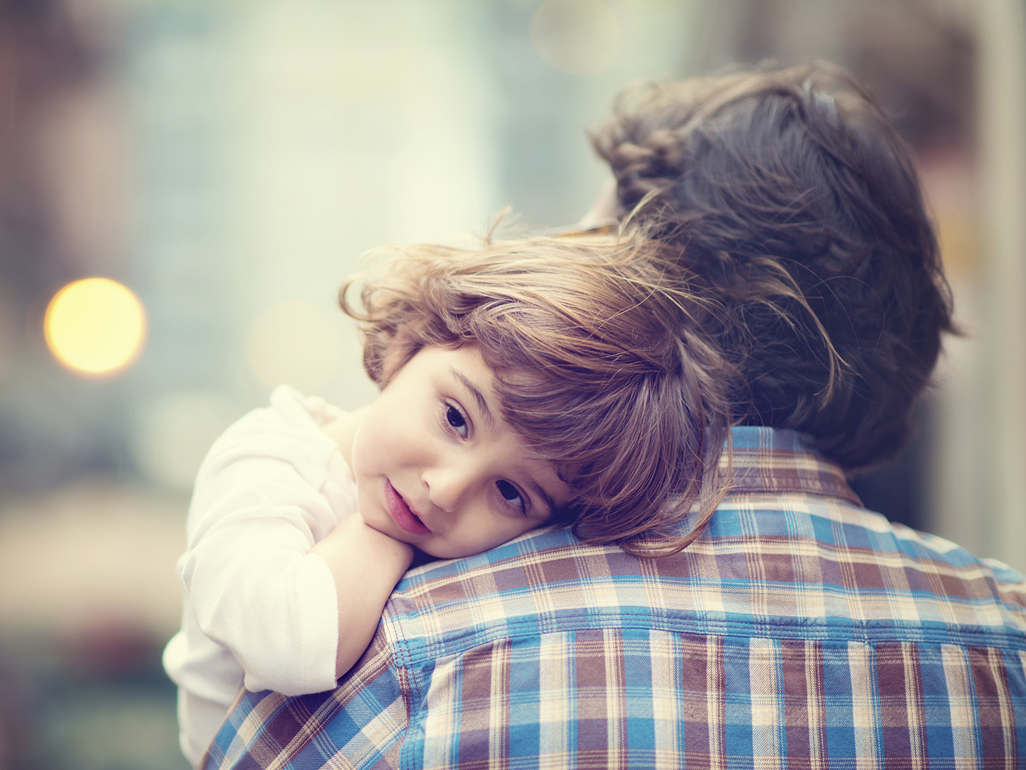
798	208
595	362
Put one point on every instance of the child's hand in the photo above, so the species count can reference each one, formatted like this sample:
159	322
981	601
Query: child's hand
359	535
366	565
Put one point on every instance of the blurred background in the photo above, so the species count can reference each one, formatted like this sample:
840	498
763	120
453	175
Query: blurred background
222	165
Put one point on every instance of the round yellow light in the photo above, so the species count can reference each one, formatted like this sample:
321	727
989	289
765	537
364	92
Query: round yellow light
578	37
95	326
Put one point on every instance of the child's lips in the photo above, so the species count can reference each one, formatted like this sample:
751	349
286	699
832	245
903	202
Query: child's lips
400	512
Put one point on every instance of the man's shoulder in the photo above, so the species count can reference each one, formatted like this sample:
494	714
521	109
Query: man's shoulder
535	562
544	579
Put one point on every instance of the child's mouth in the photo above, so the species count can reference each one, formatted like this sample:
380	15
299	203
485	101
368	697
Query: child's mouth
400	512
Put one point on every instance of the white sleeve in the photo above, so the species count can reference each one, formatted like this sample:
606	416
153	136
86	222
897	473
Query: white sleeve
271	487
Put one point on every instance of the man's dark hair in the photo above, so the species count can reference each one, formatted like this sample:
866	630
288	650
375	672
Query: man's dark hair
798	206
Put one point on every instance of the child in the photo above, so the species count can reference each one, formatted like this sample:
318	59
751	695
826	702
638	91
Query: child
545	381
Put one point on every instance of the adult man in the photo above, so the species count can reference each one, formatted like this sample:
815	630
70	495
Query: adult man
798	627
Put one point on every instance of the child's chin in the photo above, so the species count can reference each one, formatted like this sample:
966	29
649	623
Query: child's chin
441	552
454	552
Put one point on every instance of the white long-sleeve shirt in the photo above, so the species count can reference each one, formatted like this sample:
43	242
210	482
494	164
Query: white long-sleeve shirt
259	610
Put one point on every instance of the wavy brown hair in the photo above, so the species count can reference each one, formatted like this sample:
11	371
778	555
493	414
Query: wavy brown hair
598	365
797	207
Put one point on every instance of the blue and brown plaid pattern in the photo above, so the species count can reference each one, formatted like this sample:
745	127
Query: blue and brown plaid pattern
798	631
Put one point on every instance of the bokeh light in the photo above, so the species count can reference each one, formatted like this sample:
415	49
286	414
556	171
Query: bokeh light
95	326
295	343
578	37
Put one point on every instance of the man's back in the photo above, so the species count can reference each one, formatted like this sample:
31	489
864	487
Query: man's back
798	627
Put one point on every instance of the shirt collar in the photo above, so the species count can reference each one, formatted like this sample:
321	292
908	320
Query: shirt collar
771	461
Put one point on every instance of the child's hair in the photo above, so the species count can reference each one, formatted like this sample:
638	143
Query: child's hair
797	207
597	363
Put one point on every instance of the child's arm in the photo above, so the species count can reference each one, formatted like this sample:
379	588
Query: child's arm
366	565
271	487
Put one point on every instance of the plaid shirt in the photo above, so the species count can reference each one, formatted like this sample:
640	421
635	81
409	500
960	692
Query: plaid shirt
799	630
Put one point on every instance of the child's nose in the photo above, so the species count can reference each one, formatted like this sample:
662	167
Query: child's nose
447	485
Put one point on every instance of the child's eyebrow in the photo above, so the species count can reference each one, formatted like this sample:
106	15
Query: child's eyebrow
477	394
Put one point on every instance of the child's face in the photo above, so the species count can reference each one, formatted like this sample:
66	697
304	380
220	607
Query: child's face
437	467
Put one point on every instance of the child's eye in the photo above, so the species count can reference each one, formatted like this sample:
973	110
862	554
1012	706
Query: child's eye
512	495
456	420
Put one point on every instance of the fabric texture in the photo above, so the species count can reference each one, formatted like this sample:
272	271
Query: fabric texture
799	630
259	608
